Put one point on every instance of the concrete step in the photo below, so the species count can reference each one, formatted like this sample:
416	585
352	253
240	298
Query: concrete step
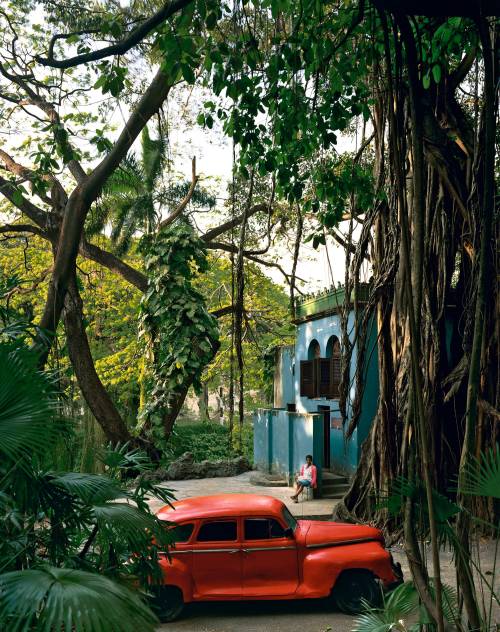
337	478
268	480
334	489
334	485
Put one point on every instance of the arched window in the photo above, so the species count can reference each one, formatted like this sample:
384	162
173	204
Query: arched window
334	354
320	377
314	350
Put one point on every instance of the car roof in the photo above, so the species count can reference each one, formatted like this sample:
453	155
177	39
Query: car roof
221	505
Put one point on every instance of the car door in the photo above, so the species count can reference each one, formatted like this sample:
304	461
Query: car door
270	564
217	560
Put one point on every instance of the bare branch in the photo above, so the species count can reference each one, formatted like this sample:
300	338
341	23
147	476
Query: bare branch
149	104
219	245
22	228
173	216
113	263
134	38
222	311
223	228
35	99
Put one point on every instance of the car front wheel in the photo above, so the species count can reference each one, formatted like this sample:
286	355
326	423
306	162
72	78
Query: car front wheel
353	589
168	603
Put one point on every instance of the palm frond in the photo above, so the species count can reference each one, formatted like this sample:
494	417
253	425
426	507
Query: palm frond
376	621
121	459
153	158
482	477
49	598
90	488
400	604
127	180
27	413
96	219
131	523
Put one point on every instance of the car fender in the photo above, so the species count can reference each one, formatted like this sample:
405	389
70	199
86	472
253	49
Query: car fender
176	572
322	566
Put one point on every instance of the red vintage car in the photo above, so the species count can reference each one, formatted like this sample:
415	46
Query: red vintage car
245	546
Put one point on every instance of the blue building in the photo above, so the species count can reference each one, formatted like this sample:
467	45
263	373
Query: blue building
305	417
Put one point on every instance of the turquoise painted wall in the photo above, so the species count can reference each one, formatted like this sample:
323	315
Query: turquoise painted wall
344	455
261	446
287	361
282	440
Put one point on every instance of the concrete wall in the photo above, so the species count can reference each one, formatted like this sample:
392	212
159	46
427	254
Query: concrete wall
261	446
282	440
284	376
344	455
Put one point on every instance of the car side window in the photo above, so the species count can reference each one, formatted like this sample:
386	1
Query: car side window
263	529
182	532
218	531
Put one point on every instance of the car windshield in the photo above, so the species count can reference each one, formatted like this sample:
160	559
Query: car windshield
289	519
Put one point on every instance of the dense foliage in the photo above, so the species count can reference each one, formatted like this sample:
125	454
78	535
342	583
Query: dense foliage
69	542
286	78
181	336
208	441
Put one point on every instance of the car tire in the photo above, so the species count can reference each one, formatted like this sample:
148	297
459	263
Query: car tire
167	603
355	587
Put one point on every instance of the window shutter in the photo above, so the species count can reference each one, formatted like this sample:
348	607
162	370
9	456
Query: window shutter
307	381
324	369
336	373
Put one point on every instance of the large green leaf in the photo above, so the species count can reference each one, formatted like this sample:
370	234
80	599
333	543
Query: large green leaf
90	488
131	523
401	603
27	426
482	477
49	598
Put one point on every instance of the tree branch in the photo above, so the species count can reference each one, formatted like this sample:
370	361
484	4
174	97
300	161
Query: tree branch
149	104
28	174
22	228
36	214
134	38
85	194
182	205
115	264
223	228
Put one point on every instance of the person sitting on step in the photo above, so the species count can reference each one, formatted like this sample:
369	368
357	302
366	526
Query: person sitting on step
306	478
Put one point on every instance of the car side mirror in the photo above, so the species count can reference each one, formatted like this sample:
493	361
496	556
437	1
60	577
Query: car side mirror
289	533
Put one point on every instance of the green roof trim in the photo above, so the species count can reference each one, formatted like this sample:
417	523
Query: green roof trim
327	302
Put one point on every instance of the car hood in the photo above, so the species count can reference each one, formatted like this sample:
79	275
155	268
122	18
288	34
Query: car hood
323	533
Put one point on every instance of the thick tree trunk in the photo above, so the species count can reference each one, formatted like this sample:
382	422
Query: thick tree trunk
81	199
92	389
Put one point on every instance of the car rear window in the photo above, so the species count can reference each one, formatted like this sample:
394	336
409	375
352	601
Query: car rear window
263	529
218	531
182	532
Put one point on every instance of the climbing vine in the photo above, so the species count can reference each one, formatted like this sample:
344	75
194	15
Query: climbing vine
180	335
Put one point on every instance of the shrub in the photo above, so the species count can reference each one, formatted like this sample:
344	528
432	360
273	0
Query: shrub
208	441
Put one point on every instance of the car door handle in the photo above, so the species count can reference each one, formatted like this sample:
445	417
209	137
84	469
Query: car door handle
234	551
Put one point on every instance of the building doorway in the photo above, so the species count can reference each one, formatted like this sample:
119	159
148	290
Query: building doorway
325	410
